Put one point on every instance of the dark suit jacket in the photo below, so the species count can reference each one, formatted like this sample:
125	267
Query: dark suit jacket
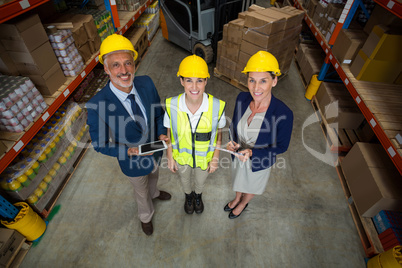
113	130
275	132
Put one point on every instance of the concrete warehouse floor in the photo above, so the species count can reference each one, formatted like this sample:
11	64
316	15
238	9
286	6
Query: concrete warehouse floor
301	220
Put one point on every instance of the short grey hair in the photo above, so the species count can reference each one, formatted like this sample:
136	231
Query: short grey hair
104	57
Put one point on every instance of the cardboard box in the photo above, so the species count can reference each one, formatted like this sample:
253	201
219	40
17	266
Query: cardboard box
10	244
238	75
262	40
85	51
263	23
345	113
334	11
348	44
7	65
384	43
250	48
367	69
295	12
235	31
50	82
292	20
96	42
380	15
36	62
23	35
243	58
311	8
242	15
373	180
225	33
255	7
232	51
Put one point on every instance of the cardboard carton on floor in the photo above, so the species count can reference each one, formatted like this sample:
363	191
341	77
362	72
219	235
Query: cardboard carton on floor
347	45
232	51
263	23
23	35
262	40
373	180
235	31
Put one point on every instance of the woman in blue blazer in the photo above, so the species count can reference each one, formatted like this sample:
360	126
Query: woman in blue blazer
261	129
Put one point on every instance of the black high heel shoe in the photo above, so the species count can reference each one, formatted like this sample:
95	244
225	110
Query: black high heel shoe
233	216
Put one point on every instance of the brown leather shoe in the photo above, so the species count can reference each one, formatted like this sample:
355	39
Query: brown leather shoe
164	196
148	228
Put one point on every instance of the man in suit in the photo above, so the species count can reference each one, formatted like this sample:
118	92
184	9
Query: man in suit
125	114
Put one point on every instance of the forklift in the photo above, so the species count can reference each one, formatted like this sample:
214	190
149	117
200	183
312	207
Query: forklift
197	25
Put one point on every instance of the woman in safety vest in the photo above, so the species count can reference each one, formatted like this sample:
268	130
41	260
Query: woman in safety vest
261	129
194	120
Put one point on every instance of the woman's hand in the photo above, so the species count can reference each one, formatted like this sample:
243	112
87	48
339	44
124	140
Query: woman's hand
244	155
232	146
164	138
172	165
132	151
213	165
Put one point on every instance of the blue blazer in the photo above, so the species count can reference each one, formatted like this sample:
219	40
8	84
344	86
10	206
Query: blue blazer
113	130
275	132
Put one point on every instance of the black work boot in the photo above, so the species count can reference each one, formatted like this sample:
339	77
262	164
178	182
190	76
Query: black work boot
199	206
189	204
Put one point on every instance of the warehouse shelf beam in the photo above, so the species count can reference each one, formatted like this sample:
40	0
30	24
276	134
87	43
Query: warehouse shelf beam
392	6
374	124
16	8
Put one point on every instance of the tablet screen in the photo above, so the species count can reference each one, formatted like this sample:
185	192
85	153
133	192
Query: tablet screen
149	147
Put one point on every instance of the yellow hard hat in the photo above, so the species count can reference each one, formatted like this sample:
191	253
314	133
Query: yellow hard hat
262	61
193	66
116	42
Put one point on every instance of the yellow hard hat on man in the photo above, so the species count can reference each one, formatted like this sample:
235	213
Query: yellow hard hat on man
262	61
193	66
116	42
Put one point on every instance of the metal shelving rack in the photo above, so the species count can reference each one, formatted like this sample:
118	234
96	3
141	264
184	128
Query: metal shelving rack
13	9
386	142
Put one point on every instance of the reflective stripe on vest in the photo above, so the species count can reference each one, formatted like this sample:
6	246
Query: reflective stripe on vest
184	153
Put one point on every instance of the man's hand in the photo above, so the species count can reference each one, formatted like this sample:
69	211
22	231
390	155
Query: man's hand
132	151
164	138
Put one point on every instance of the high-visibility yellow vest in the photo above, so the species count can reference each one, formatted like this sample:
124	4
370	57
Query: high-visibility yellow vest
194	149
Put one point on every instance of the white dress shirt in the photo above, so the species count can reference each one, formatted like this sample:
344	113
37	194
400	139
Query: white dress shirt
122	96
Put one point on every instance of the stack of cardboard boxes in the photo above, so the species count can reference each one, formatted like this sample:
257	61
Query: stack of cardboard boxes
271	29
27	44
324	15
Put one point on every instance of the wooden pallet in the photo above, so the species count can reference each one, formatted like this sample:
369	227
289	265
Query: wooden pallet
339	140
365	226
230	80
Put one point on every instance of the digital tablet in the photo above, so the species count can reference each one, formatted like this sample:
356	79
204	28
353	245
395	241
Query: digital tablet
152	147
